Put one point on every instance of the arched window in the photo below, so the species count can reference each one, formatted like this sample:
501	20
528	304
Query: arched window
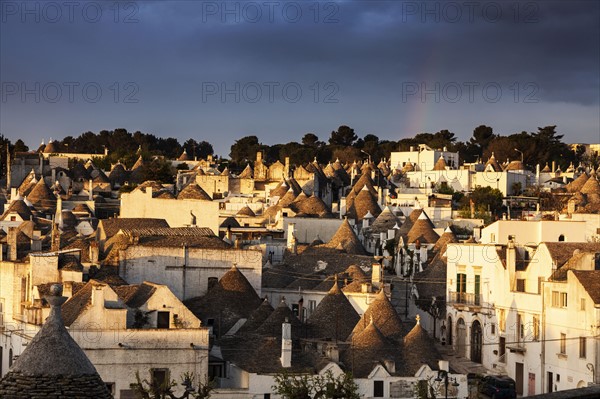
561	237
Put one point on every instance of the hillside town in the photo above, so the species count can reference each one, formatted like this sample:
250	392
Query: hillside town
370	278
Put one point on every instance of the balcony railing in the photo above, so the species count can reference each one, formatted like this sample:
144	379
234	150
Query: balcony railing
465	298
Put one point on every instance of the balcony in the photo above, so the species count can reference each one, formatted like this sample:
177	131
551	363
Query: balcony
465	298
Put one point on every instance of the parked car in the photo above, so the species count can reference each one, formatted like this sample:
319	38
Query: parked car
498	387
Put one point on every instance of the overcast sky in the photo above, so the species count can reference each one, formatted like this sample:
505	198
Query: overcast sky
218	71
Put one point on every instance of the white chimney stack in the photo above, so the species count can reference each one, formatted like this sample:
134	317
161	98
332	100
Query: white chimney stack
286	344
291	238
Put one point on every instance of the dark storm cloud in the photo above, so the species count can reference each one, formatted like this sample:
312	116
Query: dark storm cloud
370	49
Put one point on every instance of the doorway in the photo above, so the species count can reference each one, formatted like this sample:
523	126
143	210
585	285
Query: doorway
461	337
476	341
519	377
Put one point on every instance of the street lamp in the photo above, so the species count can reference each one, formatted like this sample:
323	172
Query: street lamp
443	376
364	152
520	152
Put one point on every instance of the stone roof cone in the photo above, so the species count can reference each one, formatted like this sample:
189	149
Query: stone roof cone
53	365
423	231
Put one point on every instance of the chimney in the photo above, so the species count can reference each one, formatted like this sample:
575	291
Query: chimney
68	289
553	166
390	365
511	262
8	170
537	174
228	234
53	175
291	238
286	344
94	252
58	214
423	254
376	274
286	168
258	156
11	240
13	194
412	148
391	234
333	353
98	296
380	196
91	191
342	206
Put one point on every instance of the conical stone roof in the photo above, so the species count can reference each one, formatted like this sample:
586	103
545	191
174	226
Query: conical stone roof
383	315
347	239
245	212
385	221
422	231
578	183
363	203
591	186
193	191
272	325
257	318
335	317
419	349
440	164
52	364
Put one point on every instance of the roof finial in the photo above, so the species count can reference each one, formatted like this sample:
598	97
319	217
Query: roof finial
418	319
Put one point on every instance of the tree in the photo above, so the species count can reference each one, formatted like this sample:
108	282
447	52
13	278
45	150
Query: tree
482	136
160	170
244	150
20	146
326	386
487	202
145	389
310	139
343	136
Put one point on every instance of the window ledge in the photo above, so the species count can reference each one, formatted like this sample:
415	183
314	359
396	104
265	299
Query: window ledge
562	356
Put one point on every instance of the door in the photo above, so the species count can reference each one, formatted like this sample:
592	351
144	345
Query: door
449	329
476	340
162	319
461	337
519	377
550	382
531	388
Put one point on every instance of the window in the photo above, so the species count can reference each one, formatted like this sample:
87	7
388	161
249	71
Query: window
559	299
501	320
520	327
563	299
111	387
520	285
563	344
267	396
163	319
378	389
536	328
159	377
582	304
461	287
582	347
561	237
493	328
493	237
212	281
13	218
